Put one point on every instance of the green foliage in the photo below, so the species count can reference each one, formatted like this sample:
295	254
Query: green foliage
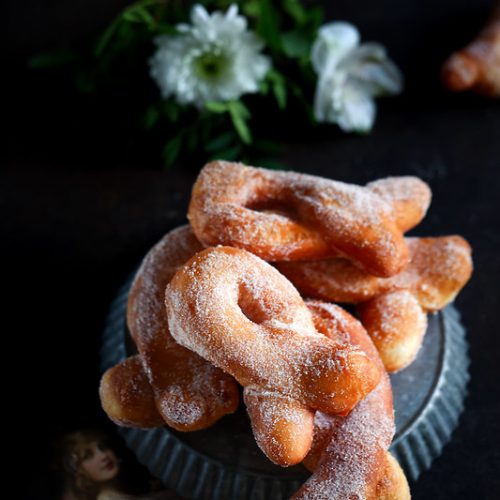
239	129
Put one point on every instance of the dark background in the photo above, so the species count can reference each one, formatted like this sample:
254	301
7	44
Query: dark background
83	197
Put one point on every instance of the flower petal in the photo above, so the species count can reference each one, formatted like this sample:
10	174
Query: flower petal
328	95
215	58
199	15
374	71
357	112
333	42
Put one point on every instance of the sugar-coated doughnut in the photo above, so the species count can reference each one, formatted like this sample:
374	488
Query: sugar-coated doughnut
349	454
392	309
290	216
242	315
437	271
190	393
392	483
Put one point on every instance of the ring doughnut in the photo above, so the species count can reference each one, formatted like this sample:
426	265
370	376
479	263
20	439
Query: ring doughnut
281	216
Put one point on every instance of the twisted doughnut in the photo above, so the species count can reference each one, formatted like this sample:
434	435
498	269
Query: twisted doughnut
349	454
189	393
477	66
392	309
282	426
378	473
290	216
238	312
241	314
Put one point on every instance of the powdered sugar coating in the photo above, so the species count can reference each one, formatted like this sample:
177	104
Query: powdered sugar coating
238	312
348	453
190	393
289	216
438	269
408	196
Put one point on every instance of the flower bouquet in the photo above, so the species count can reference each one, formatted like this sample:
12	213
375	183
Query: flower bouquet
234	78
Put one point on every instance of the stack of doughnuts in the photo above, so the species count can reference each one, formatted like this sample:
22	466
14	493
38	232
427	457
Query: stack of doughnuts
226	302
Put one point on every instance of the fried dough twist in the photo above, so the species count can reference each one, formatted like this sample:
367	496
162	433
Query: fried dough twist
349	454
238	312
391	309
477	66
290	216
190	394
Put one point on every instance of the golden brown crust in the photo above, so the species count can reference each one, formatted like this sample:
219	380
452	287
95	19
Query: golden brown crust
127	397
282	426
396	324
392	483
290	216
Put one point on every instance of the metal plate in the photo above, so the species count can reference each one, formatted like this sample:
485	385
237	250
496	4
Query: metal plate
224	462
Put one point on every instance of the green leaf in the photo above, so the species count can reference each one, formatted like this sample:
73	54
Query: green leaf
105	38
239	114
315	17
251	8
296	44
242	109
151	117
137	12
140	15
268	25
264	87
220	142
216	107
51	59
172	149
295	10
279	87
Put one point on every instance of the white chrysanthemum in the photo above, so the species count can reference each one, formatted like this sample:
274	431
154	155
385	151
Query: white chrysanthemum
215	58
350	76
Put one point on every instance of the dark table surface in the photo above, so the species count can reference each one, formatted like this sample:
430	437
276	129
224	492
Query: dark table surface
75	225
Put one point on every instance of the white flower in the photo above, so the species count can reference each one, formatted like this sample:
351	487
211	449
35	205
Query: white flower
215	58
350	76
